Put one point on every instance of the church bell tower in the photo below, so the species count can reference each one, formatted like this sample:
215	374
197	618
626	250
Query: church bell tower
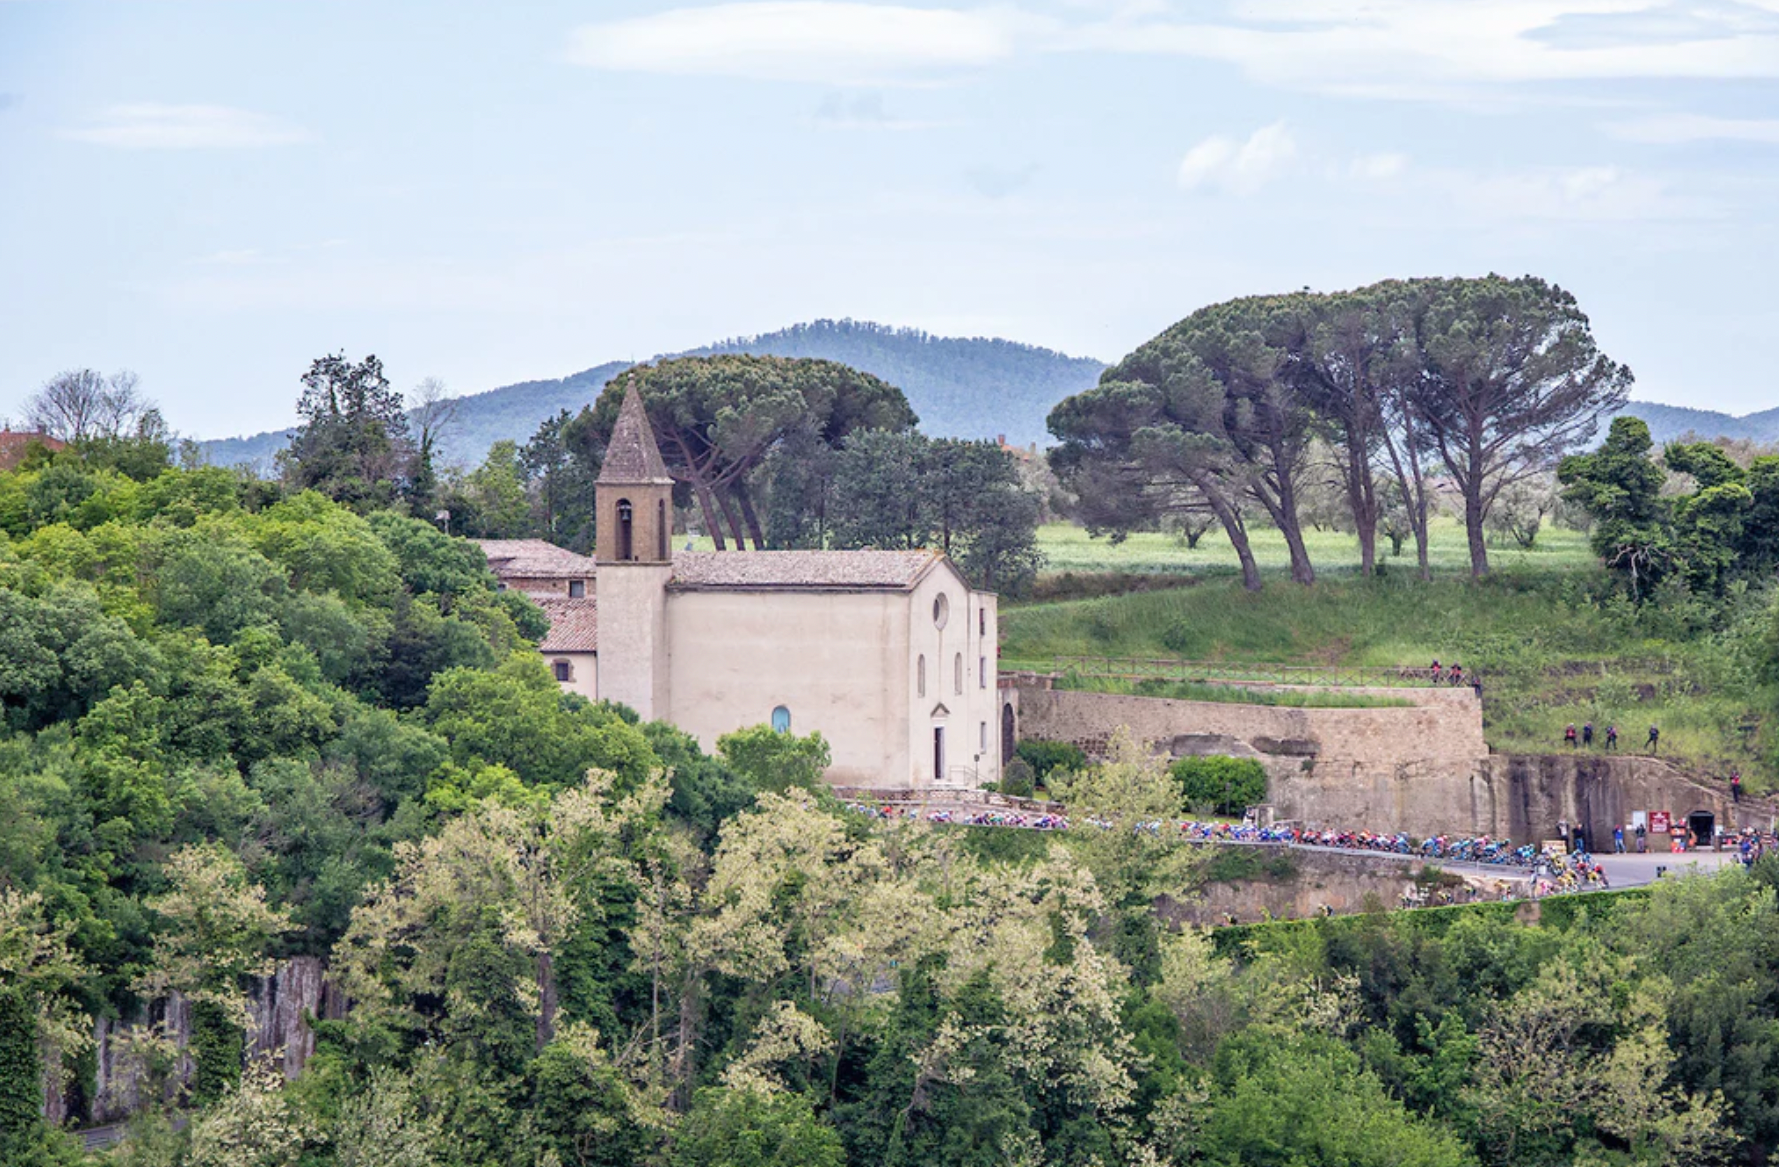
633	509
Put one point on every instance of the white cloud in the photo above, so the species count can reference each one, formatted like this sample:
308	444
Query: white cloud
1590	194
1449	48
184	127
1378	167
1673	129
1219	163
829	41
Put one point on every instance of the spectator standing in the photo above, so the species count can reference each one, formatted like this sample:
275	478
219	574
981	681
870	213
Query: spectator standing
1457	673
1642	838
1618	839
1569	736
1735	786
1612	737
1655	739
1438	673
1587	735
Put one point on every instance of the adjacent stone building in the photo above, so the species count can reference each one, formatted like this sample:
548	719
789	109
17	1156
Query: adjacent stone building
891	655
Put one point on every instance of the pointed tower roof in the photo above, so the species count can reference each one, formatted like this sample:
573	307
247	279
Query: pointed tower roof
632	458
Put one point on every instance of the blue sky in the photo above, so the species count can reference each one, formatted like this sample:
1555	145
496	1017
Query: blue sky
211	194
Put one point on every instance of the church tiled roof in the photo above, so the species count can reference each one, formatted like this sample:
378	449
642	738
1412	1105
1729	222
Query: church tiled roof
896	570
534	559
574	624
632	457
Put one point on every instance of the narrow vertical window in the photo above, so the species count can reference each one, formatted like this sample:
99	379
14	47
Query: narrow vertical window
984	736
982	672
957	668
982	621
920	676
626	524
661	531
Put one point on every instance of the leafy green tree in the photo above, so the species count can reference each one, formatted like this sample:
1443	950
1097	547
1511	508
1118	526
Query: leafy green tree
767	759
429	561
217	930
518	717
1620	486
214	581
561	483
1045	757
877	496
60	654
490	502
744	1128
719	419
1281	1099
353	444
21	1077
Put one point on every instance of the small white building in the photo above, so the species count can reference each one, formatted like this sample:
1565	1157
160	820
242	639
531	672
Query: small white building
890	655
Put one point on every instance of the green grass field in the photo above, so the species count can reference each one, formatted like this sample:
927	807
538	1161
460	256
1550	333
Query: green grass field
1069	548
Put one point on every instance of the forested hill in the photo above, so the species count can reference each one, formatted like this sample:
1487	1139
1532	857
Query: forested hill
512	411
961	387
1668	423
965	388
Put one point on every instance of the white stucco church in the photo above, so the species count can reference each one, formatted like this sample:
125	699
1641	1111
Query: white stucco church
891	655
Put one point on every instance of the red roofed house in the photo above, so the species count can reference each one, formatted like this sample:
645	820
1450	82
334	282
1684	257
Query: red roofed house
890	654
14	445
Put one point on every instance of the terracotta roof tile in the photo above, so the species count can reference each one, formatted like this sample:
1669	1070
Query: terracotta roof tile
800	569
574	625
534	559
632	457
14	444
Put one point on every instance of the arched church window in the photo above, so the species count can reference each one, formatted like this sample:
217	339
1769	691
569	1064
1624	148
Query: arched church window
920	675
958	668
781	720
626	529
941	610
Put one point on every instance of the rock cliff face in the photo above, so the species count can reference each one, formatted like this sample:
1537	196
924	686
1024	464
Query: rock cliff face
1517	796
280	1003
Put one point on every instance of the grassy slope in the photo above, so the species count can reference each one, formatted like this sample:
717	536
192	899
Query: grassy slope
1550	650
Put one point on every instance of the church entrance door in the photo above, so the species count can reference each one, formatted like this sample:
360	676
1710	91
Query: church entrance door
938	753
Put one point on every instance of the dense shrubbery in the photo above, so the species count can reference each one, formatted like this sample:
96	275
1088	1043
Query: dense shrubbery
1224	785
1044	757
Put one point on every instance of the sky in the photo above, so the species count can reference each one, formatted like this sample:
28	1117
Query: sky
213	194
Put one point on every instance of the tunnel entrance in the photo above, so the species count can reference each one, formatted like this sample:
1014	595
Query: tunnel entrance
1702	825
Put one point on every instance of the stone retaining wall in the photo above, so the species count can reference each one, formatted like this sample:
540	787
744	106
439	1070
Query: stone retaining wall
1424	770
1444	725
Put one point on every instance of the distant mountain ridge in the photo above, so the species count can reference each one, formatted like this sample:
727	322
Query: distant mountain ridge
976	387
1668	423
